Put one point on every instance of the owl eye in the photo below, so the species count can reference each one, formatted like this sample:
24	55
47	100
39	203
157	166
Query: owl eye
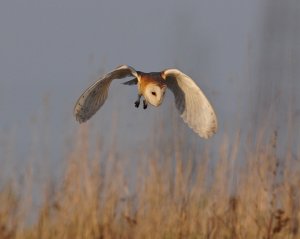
153	93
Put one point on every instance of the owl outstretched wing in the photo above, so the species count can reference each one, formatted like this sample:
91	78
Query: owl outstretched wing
94	97
192	104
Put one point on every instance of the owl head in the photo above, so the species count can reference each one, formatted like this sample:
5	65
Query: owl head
154	94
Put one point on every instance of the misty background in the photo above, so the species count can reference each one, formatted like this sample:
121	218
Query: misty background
244	54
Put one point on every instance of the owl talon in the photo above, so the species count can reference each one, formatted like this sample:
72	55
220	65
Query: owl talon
137	104
145	104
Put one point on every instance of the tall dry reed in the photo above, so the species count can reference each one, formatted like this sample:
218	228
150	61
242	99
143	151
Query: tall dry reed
174	190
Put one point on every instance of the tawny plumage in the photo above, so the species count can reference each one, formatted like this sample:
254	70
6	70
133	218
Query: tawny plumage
192	104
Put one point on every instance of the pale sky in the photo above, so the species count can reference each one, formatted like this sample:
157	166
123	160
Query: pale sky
52	50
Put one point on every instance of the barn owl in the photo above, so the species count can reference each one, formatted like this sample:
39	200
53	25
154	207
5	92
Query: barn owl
192	104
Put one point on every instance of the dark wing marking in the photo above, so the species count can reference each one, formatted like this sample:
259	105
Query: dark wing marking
131	82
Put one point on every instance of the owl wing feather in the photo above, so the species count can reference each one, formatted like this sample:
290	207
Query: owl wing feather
192	104
94	97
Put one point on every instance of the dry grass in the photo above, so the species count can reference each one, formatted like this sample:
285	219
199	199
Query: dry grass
175	190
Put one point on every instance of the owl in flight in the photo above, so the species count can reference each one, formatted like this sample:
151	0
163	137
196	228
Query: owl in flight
192	104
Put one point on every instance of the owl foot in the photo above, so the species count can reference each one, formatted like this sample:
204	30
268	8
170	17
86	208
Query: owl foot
137	102
145	104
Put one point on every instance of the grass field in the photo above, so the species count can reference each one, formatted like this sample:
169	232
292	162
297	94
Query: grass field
173	191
